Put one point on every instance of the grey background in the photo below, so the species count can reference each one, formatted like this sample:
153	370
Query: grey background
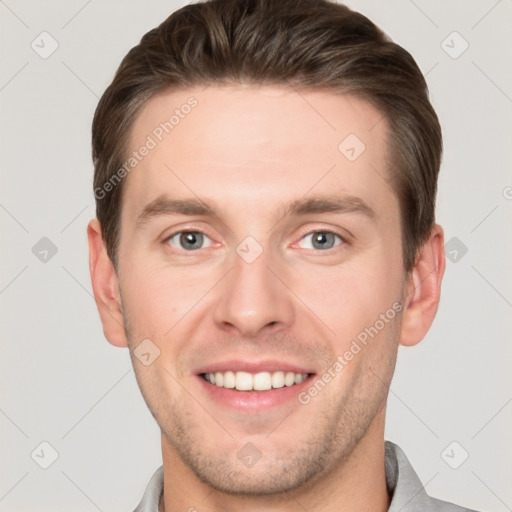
60	380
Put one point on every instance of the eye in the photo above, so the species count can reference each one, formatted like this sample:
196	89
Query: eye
188	240
322	240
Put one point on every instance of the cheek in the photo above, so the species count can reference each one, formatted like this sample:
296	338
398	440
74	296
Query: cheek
150	300
350	298
158	298
156	307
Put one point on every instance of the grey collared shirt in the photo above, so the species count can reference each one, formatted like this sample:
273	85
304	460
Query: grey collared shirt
406	489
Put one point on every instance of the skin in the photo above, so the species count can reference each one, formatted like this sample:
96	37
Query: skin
249	150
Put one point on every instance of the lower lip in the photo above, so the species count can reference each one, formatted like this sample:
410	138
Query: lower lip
253	400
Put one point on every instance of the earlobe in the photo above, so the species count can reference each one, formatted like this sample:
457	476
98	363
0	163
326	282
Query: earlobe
105	287
423	289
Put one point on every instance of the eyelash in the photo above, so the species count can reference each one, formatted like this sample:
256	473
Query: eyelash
324	231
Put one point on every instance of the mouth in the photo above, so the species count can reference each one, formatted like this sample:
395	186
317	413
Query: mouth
261	381
254	387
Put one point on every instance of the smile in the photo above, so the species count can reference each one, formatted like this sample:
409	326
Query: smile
261	381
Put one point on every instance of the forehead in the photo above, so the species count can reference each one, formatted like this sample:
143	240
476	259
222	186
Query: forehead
257	144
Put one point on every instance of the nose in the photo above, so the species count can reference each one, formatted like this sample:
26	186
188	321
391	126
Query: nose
254	298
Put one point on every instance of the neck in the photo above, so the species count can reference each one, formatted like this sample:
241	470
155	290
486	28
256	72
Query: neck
356	483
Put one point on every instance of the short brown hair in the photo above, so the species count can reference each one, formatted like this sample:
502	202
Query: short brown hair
311	44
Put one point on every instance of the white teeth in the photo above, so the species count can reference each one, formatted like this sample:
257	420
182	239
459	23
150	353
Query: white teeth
278	379
289	379
229	380
262	381
299	378
243	381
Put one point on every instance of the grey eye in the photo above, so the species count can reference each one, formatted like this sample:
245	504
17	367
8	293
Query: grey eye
188	240
321	240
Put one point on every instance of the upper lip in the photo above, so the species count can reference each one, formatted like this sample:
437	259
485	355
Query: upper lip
269	365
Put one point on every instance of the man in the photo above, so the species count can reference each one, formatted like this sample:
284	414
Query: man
293	146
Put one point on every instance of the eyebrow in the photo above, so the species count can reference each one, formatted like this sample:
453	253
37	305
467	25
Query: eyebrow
163	206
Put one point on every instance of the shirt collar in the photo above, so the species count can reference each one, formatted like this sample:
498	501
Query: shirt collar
404	486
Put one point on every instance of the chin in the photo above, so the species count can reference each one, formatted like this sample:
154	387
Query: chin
238	468
269	480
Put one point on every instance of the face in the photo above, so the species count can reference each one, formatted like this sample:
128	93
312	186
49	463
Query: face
260	248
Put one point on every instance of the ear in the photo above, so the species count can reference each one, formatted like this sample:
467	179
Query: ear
423	289
105	287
